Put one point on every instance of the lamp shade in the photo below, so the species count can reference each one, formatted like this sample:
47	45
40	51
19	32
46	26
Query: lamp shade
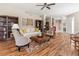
15	26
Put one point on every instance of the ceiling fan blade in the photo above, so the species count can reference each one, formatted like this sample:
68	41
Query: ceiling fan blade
48	8
42	8
39	5
51	4
45	3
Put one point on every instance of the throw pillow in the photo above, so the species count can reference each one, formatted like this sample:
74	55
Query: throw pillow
36	29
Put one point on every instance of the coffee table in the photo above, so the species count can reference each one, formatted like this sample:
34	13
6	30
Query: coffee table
40	39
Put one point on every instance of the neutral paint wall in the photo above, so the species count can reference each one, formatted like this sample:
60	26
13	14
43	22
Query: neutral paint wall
59	27
18	13
76	22
69	24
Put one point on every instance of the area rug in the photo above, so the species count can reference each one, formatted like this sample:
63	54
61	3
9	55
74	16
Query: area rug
36	46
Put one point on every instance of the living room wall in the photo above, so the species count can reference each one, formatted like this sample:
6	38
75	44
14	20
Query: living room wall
76	22
20	14
59	23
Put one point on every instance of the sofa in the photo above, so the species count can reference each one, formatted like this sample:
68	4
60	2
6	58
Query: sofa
29	31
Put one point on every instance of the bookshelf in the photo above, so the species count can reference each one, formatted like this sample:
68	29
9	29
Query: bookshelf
5	26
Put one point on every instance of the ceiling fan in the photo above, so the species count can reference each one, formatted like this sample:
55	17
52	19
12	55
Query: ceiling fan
45	5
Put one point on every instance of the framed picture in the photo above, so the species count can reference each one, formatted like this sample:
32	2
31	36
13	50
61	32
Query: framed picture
29	21
24	21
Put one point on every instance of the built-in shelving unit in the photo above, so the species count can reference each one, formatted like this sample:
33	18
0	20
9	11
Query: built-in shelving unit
5	26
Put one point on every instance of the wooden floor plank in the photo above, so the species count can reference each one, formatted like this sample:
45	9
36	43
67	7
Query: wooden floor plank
58	46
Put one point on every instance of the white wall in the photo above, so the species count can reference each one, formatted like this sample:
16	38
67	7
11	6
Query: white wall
59	27
76	15
69	26
72	23
18	13
75	26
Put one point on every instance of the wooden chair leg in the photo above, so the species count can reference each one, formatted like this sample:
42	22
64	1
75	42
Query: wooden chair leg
19	48
49	38
70	41
28	45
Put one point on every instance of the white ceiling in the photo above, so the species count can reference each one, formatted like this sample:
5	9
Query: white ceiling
60	9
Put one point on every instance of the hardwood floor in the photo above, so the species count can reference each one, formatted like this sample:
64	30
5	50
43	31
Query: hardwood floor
60	46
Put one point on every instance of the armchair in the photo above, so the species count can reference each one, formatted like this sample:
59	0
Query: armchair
20	40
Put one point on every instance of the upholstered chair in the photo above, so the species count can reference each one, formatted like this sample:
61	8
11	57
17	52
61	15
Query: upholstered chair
20	40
